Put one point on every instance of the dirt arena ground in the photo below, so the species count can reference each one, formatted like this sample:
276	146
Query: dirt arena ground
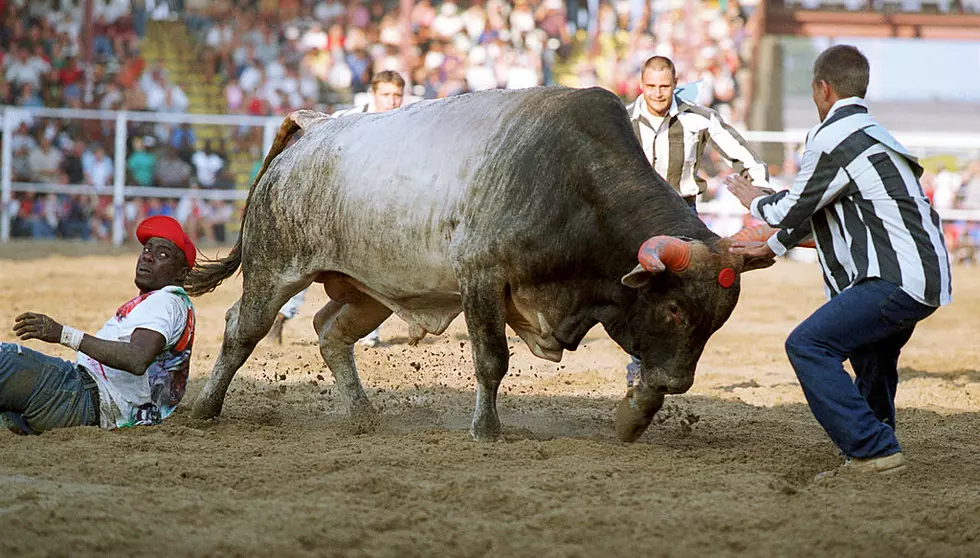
726	469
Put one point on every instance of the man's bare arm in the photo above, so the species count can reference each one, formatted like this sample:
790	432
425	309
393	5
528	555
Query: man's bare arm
134	357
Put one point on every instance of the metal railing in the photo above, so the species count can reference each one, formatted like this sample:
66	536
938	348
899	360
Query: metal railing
119	189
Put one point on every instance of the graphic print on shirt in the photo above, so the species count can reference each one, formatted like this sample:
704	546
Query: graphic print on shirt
167	375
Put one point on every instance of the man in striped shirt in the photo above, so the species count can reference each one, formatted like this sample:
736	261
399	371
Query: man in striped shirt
884	261
674	133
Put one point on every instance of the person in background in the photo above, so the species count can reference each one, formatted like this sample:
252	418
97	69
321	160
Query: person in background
674	133
141	164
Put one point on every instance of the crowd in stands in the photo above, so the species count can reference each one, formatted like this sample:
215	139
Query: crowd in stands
326	51
957	186
273	57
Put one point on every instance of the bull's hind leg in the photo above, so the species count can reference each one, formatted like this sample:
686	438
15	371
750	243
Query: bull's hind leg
486	313
340	325
246	323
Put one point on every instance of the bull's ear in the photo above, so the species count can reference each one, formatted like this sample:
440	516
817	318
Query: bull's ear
638	278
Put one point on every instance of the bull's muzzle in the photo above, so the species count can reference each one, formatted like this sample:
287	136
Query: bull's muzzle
667	384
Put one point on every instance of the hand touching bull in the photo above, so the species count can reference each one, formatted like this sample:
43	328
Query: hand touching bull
745	191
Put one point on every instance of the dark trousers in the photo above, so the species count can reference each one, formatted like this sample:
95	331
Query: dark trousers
868	323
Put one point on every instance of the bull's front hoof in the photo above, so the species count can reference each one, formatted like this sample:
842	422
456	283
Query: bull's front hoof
486	431
486	437
205	409
635	412
364	419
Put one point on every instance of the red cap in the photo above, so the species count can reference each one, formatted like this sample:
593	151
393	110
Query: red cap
161	226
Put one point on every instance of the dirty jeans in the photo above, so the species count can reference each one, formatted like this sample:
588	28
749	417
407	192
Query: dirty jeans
868	323
40	392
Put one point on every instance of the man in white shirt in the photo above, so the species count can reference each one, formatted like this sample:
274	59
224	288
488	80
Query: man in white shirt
97	167
207	163
23	70
45	163
132	372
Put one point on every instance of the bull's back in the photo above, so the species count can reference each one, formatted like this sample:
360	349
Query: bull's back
398	198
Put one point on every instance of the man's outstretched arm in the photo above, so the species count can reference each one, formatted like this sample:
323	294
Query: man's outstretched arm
134	357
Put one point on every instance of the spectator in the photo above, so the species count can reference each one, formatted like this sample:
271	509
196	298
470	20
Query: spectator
171	171
97	167
234	95
22	139
947	188
141	164
20	168
22	69
182	141
71	164
224	180
195	214
44	163
221	214
29	97
207	163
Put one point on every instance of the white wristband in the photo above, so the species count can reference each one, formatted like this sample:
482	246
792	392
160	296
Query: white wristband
71	337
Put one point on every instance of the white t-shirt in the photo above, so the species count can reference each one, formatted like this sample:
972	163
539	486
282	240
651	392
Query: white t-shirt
127	399
207	166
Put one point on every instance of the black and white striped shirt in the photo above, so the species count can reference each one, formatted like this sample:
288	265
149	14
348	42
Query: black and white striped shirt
354	110
858	192
675	146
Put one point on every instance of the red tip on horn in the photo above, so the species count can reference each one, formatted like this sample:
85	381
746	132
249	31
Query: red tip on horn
665	252
761	233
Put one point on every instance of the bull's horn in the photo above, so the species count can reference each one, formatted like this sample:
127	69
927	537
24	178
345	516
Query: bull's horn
761	233
665	252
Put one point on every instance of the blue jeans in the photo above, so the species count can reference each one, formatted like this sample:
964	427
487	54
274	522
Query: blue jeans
40	392
868	323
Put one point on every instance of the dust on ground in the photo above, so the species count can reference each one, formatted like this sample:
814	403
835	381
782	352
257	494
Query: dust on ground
726	469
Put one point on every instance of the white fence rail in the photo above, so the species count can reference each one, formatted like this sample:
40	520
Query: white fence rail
917	142
120	191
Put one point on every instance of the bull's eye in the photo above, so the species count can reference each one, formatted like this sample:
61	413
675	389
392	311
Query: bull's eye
674	311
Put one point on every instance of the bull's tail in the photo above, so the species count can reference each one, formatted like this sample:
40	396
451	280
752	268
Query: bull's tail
205	277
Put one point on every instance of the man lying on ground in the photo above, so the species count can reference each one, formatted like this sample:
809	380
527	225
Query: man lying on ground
132	372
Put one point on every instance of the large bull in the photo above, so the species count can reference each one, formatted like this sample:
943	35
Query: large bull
534	209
